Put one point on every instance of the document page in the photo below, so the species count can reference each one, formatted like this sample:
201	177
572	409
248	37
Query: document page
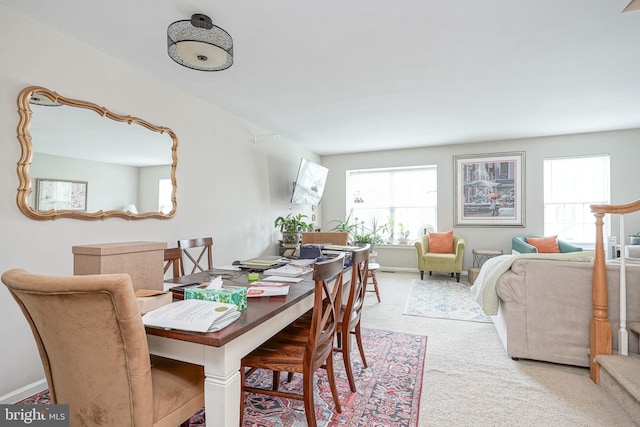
190	315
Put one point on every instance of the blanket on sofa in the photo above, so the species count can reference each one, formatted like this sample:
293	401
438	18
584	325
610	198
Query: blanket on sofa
484	288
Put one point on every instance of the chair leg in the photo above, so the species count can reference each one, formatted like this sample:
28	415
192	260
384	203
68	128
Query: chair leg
307	391
430	273
457	277
358	335
345	349
332	383
375	284
276	380
421	274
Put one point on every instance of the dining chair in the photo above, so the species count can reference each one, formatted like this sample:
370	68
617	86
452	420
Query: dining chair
95	356
303	349
319	237
173	260
351	312
195	250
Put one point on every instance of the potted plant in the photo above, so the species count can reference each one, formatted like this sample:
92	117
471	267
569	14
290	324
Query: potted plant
366	237
344	224
634	239
403	238
292	226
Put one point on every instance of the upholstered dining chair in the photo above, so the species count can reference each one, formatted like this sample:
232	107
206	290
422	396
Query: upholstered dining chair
440	252
303	349
195	250
173	260
94	351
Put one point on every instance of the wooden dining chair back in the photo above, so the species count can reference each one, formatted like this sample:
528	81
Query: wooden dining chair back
195	253
93	348
351	312
321	237
303	349
173	260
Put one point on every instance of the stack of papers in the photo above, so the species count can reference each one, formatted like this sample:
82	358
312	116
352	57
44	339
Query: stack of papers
267	289
339	248
263	263
193	315
289	270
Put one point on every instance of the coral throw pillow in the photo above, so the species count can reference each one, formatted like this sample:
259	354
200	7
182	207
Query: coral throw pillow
441	243
545	245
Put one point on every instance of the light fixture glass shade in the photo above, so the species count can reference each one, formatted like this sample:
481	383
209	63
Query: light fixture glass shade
200	45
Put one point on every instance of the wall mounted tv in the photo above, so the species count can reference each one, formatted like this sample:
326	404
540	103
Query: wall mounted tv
309	184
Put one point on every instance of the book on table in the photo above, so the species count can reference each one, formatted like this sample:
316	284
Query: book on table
192	315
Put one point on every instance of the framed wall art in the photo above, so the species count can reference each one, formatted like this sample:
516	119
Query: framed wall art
489	190
58	194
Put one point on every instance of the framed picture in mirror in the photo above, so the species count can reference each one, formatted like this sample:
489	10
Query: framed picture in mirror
59	194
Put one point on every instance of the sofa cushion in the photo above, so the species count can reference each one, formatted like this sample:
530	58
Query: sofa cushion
441	243
544	245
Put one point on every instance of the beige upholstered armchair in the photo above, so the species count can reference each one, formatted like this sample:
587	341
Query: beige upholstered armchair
445	259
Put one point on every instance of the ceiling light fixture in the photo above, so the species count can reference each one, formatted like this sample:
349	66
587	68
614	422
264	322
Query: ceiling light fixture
634	5
198	44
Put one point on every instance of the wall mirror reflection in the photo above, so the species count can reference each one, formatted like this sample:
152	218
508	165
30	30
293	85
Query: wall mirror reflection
127	163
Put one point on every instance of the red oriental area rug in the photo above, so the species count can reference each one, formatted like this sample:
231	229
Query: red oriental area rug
388	390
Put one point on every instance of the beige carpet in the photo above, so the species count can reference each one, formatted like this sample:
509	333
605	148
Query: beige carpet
470	381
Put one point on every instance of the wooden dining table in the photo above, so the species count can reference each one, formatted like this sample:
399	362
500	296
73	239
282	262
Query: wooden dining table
220	352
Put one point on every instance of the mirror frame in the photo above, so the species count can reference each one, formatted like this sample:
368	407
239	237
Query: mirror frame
27	155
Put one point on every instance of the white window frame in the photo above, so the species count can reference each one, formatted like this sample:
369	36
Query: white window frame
356	187
569	193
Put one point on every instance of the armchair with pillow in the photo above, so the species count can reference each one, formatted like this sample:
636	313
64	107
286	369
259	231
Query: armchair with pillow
440	252
540	244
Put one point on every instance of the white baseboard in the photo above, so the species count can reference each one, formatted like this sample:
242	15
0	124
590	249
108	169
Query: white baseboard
408	270
398	269
23	392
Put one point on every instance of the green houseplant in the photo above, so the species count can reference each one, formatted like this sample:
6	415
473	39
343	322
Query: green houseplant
403	238
359	234
292	226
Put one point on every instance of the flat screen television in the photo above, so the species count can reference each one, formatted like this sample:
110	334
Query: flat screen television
309	184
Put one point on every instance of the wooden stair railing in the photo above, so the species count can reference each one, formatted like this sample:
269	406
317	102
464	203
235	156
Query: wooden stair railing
599	326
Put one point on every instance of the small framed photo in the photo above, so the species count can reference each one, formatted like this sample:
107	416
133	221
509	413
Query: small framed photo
59	194
489	190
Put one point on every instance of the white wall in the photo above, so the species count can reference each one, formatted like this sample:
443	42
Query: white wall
228	187
622	146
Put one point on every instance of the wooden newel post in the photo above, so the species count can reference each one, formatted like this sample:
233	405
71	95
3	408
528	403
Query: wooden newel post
600	328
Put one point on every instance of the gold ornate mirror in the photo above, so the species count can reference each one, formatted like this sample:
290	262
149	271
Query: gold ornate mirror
80	160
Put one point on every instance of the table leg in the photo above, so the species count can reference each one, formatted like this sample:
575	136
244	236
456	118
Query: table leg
222	388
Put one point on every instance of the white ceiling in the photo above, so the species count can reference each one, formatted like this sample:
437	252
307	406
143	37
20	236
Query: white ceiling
360	75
